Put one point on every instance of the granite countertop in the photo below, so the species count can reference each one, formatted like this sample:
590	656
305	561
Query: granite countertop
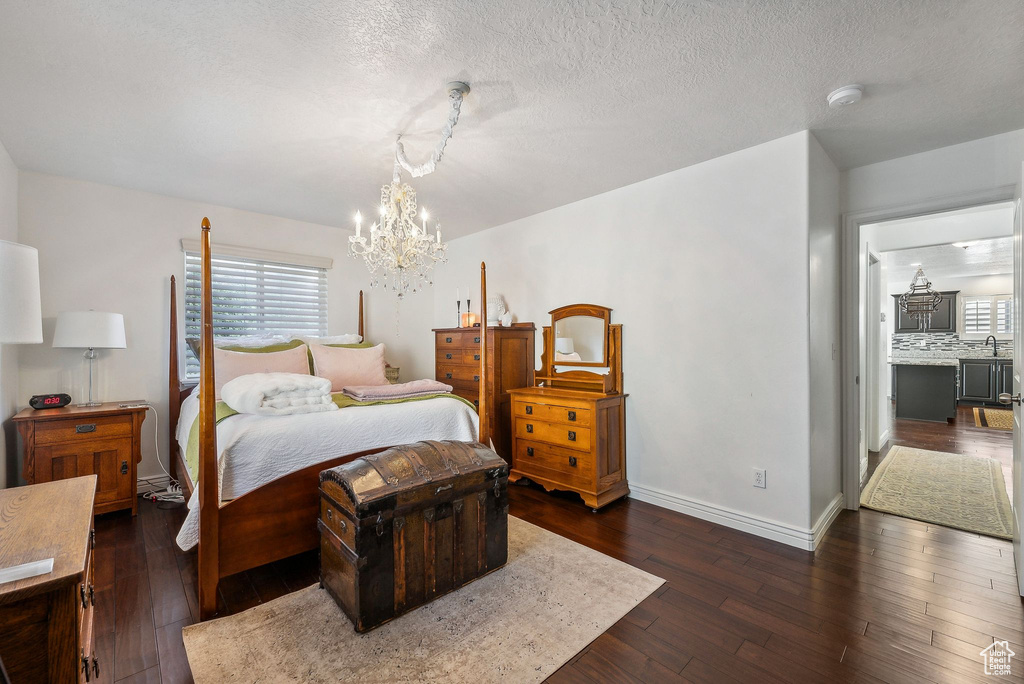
921	361
944	358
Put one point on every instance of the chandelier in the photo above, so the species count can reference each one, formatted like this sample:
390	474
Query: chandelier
920	301
401	249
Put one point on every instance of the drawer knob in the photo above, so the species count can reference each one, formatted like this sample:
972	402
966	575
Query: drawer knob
572	461
476	357
529	410
87	427
476	402
476	340
124	467
572	415
529	451
529	428
448	340
476	378
448	376
572	436
448	355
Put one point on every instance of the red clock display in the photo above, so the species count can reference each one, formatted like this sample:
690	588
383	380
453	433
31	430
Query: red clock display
41	401
49	401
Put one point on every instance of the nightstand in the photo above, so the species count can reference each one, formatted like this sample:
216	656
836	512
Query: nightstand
102	440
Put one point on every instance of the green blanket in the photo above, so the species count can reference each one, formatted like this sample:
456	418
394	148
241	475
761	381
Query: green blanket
342	400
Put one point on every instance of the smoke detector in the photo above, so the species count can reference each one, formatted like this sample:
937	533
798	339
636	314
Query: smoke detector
847	95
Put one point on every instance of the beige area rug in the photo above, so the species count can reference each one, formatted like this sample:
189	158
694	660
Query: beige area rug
964	492
517	624
996	419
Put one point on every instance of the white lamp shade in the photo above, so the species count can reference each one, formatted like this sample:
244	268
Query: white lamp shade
21	320
89	330
564	345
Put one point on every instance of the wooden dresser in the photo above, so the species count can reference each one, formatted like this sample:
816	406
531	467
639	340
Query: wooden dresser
102	440
570	433
46	622
510	365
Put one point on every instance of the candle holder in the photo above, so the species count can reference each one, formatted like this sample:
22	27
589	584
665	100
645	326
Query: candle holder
458	313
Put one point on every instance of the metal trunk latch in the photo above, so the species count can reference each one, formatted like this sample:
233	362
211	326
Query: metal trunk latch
380	524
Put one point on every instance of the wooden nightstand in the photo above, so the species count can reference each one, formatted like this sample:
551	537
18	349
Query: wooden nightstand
102	440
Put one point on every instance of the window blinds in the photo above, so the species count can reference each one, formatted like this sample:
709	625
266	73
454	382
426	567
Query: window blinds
977	316
253	297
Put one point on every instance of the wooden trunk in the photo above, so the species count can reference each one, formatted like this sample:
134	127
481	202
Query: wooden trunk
402	527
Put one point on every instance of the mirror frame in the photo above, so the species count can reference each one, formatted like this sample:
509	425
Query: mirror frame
592	311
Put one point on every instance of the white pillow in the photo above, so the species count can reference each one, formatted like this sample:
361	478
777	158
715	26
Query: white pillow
334	339
349	367
229	365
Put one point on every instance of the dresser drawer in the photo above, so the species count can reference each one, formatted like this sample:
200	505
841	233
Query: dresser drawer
553	433
552	462
447	341
472	355
471	395
569	415
81	429
468	376
449	355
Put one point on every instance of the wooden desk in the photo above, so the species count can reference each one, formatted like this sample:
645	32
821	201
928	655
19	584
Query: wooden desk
46	622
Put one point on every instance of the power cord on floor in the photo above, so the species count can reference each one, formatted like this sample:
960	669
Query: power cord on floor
173	493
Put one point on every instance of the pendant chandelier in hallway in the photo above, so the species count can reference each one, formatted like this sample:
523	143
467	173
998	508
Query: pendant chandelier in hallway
401	251
920	301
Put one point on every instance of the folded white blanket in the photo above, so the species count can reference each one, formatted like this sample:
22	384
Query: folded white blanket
278	394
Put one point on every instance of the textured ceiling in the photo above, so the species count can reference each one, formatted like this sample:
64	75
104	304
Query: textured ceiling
291	107
981	257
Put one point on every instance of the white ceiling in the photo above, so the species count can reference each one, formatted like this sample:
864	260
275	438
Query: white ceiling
940	262
291	107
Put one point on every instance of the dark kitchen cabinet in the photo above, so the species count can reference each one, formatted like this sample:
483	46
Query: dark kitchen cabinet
942	320
1004	377
978	380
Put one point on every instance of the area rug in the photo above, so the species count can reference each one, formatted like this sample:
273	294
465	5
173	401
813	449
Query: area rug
517	624
964	492
997	419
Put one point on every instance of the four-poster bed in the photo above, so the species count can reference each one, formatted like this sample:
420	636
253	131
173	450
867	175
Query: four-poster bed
277	519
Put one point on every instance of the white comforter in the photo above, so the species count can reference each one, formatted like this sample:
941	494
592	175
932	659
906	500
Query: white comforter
253	449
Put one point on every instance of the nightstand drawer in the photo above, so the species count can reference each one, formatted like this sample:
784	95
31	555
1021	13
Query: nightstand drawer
545	460
70	430
553	433
558	414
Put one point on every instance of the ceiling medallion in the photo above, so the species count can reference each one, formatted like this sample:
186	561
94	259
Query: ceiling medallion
920	301
400	252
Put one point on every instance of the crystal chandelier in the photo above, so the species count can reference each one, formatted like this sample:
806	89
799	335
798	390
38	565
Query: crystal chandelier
401	252
920	301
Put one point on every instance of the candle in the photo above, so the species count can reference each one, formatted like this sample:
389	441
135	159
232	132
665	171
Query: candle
458	297
438	236
359	224
423	216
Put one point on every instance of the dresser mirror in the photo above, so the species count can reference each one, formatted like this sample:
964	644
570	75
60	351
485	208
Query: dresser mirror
582	349
581	335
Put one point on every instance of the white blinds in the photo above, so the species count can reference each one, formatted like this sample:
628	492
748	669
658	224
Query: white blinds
252	297
977	316
1004	316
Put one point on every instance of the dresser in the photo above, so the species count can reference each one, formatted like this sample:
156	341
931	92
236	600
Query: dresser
102	440
510	365
46	621
569	431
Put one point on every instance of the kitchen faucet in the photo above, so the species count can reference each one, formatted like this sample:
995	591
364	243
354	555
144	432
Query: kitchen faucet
995	350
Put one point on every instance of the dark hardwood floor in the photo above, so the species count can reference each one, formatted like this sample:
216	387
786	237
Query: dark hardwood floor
961	436
882	599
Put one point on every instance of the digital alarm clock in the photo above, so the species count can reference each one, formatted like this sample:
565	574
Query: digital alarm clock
45	401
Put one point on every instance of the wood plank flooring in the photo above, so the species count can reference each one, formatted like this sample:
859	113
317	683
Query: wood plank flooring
883	599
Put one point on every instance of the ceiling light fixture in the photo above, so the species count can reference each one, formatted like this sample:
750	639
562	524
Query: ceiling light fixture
920	301
400	253
847	95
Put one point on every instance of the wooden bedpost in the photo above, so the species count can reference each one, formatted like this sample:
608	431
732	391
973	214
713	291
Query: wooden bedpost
209	496
173	386
360	331
485	428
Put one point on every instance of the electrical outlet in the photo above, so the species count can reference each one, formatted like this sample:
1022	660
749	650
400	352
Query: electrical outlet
759	478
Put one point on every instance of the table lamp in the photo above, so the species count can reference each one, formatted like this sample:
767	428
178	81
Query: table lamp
21	320
89	330
564	345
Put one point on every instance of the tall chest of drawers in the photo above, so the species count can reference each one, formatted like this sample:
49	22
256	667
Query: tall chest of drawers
46	621
510	365
570	440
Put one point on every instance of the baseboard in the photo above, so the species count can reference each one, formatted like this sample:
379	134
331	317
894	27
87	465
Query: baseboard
790	535
883	438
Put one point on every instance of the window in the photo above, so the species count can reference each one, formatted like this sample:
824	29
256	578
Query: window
984	316
254	296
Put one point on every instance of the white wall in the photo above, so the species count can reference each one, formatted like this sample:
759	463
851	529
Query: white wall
825	321
112	249
707	269
8	352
